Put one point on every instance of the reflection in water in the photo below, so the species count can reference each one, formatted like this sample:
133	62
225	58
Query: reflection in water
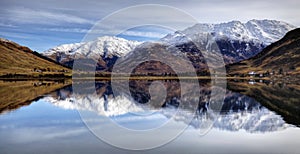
283	98
247	114
15	94
239	112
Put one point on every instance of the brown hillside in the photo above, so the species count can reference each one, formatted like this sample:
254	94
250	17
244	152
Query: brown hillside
17	59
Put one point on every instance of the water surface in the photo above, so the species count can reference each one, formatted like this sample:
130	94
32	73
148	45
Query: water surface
45	117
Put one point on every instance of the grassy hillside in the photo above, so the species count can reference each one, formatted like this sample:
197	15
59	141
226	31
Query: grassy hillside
16	59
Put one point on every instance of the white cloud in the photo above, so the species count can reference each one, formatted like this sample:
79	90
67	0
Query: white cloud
126	33
77	16
68	30
216	11
31	16
144	34
8	25
205	10
15	35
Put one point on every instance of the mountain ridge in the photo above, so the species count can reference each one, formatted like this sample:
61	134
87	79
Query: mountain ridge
237	41
105	50
236	30
281	57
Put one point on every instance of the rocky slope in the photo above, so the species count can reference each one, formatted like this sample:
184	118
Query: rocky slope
279	58
236	40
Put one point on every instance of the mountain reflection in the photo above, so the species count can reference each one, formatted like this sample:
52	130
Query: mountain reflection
15	94
238	112
254	108
281	97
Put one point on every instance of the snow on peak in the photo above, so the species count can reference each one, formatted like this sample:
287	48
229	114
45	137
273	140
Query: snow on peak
264	31
106	45
268	30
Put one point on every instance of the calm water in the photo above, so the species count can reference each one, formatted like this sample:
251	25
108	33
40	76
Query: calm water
46	116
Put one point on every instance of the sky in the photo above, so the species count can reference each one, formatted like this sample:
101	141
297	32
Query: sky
43	24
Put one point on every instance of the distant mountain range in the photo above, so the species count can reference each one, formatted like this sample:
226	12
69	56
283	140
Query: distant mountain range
237	41
261	31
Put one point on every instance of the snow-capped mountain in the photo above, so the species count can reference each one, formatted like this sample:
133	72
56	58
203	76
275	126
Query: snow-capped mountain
236	40
103	49
104	46
265	31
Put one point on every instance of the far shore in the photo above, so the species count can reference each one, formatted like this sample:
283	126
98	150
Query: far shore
147	78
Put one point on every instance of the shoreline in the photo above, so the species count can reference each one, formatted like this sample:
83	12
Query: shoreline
149	78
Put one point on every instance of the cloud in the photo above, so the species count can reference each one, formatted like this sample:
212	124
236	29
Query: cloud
8	25
144	34
15	35
56	22
32	16
131	33
67	30
205	10
216	11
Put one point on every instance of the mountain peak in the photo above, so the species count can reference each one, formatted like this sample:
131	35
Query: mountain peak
236	40
281	55
263	31
269	21
109	38
106	47
111	43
